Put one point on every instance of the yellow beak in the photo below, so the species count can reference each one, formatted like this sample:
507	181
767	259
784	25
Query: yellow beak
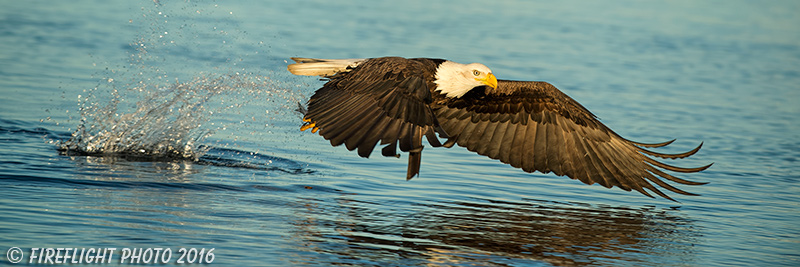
490	80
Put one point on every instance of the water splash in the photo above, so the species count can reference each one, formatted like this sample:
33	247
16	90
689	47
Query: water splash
165	124
141	109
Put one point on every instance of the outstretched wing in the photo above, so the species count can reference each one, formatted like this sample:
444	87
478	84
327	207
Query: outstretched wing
536	127
382	100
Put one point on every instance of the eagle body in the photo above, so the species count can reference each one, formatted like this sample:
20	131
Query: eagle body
531	125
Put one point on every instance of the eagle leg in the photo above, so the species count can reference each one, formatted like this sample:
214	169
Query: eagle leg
414	162
415	154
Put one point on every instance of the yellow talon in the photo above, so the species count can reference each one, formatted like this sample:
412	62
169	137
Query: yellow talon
307	126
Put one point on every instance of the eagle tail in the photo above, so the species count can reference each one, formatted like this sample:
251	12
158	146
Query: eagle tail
322	67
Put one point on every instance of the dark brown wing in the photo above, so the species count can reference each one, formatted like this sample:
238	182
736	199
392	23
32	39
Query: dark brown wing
536	127
382	100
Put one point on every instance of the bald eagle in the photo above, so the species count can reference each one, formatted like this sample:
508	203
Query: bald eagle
530	125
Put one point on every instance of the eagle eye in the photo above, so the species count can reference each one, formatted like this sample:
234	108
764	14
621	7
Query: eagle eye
476	72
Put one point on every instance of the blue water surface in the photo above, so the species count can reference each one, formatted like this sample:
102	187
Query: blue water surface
208	78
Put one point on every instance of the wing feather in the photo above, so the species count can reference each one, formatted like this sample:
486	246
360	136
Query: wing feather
504	152
535	137
536	127
370	141
496	138
482	146
517	151
381	100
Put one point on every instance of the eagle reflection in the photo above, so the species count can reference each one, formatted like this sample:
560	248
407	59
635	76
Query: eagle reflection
492	233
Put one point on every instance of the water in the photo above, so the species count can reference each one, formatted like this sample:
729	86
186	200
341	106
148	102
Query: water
195	111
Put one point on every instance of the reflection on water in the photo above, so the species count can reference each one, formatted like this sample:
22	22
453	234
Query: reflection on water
499	233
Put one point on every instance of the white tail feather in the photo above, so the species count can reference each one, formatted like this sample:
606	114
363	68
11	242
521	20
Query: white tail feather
322	67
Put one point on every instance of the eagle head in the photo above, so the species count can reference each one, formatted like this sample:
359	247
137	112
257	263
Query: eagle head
456	79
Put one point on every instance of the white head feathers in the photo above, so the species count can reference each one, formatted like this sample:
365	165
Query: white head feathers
455	79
